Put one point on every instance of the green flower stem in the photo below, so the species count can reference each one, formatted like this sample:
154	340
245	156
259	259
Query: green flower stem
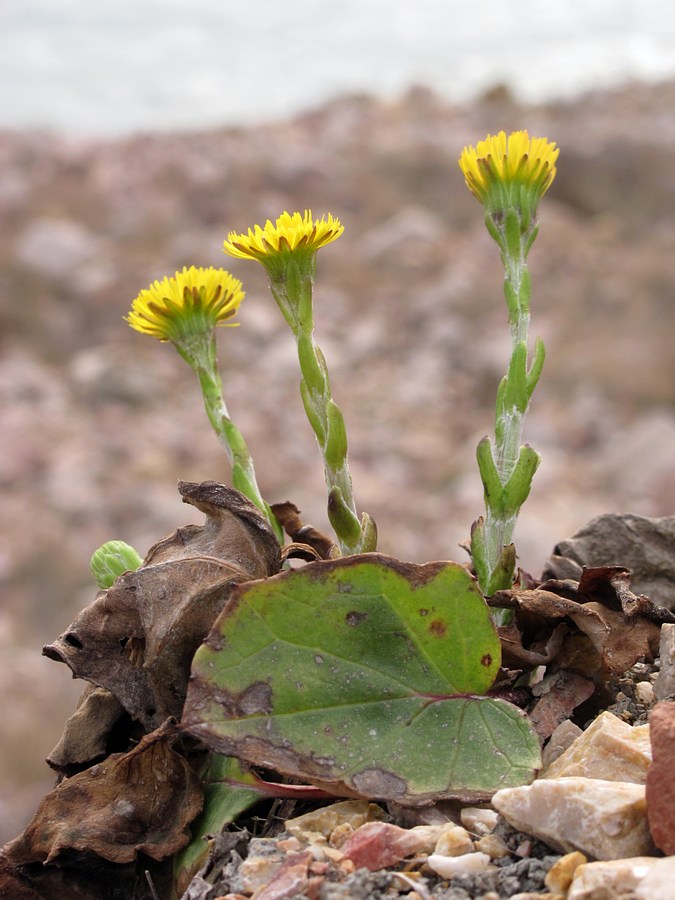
293	294
199	351
507	466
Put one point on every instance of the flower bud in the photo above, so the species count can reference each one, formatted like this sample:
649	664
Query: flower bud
111	560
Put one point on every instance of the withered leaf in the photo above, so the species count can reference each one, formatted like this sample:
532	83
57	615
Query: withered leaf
610	585
137	638
40	882
641	544
85	737
137	802
288	515
595	627
559	695
13	886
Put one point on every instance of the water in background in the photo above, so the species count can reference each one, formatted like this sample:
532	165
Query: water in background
118	66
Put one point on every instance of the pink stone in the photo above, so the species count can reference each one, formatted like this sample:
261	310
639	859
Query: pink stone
377	845
660	782
289	880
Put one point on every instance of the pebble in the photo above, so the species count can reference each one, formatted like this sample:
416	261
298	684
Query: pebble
454	841
377	845
353	813
644	692
448	866
664	685
608	749
658	882
493	845
263	861
340	834
478	819
603	819
618	878
660	783
289	881
561	874
563	736
535	895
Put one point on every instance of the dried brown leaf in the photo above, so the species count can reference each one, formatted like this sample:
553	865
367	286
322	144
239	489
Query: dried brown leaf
137	802
137	639
288	515
86	735
595	627
559	695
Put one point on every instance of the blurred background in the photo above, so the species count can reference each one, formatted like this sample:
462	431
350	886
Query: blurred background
135	135
117	66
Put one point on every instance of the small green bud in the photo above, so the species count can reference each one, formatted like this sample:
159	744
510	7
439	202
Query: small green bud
111	560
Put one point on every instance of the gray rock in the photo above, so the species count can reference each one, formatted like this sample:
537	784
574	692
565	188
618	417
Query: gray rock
644	545
664	686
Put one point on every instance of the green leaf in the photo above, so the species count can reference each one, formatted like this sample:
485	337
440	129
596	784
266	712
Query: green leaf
492	484
223	803
365	676
536	367
517	488
516	396
345	524
335	451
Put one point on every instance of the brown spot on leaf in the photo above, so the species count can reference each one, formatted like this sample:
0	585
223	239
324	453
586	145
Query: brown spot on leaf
486	660
253	700
257	698
379	784
423	612
438	628
354	617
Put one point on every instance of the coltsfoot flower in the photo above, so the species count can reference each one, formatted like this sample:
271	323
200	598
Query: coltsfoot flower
287	249
290	232
509	176
509	172
190	302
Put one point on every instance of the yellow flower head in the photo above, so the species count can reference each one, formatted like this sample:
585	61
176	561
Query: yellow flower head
509	172
295	234
191	302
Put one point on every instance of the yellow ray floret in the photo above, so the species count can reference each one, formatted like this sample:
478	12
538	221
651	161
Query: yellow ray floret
518	160
192	300
290	232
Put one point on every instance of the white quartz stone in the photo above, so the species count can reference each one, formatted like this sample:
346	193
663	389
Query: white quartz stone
602	819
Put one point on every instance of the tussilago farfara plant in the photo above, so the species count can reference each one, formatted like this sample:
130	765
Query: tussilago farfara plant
508	175
314	656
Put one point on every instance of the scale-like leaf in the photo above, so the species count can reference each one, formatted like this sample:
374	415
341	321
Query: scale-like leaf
366	676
